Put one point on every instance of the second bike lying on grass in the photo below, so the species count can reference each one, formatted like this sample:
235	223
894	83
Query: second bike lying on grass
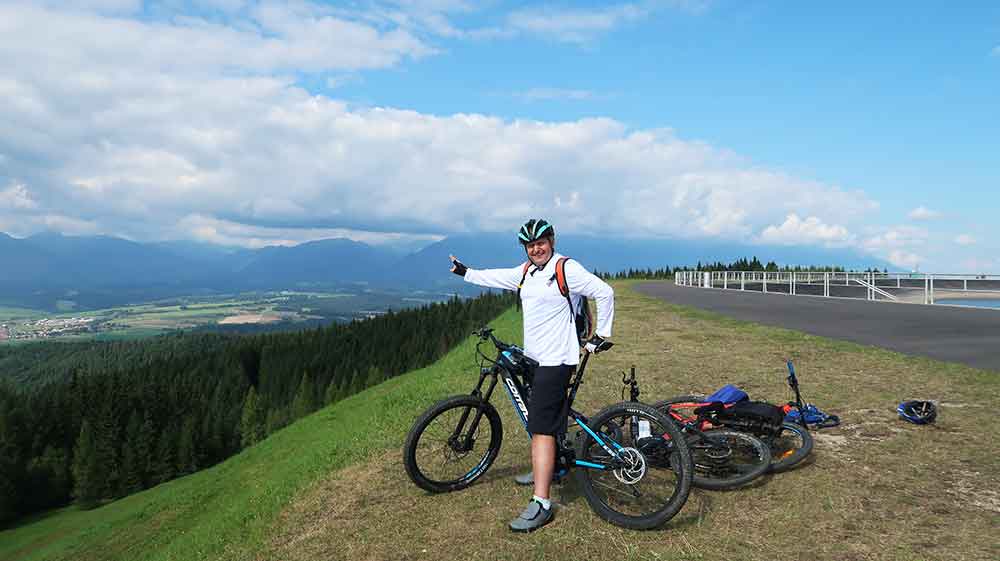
630	461
789	441
723	458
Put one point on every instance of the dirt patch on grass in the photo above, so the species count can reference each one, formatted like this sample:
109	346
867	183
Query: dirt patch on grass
972	490
250	318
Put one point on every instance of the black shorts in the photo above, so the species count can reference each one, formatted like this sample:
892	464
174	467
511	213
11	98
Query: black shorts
546	412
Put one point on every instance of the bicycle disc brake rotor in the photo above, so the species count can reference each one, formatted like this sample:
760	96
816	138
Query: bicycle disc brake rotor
718	454
456	448
635	466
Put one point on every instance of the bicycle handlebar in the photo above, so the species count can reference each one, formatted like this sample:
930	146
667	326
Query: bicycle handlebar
486	333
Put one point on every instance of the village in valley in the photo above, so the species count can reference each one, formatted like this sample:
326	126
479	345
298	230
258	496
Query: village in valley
51	327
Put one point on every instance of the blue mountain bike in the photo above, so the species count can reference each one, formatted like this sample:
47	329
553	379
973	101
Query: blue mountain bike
630	461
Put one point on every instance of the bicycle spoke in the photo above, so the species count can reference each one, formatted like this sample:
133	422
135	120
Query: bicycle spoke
437	445
658	480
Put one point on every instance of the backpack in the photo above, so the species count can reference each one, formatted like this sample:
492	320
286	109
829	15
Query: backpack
581	317
758	417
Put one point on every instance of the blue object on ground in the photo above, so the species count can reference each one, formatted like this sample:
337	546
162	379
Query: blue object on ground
813	416
728	394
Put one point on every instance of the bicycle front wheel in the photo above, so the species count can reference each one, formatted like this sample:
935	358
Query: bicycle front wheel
653	479
726	459
791	445
453	444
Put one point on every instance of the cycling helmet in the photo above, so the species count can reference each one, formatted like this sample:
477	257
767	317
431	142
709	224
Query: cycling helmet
917	412
535	229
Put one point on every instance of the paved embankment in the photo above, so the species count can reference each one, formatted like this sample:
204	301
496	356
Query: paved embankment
967	335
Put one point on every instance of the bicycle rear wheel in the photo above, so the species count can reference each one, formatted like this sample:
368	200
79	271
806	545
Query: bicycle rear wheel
452	444
654	484
727	459
790	446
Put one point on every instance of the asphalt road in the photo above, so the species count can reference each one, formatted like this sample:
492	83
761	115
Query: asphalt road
967	335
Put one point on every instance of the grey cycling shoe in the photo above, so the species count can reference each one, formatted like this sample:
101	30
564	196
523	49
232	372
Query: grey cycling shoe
529	478
533	518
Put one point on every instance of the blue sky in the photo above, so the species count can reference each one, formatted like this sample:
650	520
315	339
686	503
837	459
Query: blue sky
852	124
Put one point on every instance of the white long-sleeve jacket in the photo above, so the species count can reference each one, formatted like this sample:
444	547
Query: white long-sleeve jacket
549	329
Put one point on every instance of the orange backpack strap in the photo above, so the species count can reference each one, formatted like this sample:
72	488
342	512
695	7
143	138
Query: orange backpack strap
564	286
585	331
561	276
524	275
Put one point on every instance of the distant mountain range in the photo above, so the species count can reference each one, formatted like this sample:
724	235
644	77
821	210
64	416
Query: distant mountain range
41	269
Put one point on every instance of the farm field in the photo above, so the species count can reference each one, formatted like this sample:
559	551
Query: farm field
280	309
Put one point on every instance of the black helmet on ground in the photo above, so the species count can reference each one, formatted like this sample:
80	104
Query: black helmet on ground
917	411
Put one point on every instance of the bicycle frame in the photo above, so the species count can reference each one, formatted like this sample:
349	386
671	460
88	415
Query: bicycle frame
692	426
793	382
517	393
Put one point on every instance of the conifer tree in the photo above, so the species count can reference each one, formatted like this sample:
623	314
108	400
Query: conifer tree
88	482
374	377
49	474
277	418
8	493
252	421
304	402
131	472
332	394
187	456
164	466
106	450
145	449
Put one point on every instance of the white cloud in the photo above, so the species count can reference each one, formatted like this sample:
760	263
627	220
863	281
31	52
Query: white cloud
923	213
812	230
573	25
224	232
995	51
111	7
578	25
16	197
334	82
897	237
546	94
275	37
905	259
903	246
131	127
981	265
965	239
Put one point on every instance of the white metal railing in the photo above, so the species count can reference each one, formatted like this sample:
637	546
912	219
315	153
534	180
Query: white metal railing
924	288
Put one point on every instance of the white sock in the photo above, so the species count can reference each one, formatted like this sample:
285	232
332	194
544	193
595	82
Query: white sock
546	504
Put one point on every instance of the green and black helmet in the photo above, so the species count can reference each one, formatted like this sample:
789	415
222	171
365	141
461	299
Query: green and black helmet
535	229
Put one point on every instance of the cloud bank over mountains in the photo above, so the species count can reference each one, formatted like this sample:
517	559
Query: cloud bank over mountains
152	122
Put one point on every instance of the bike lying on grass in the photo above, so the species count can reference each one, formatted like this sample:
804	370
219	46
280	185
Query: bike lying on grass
455	442
790	442
723	458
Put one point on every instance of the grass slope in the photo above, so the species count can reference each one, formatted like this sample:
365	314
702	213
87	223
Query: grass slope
331	486
227	512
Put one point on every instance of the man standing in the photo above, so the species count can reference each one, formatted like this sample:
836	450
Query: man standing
550	337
